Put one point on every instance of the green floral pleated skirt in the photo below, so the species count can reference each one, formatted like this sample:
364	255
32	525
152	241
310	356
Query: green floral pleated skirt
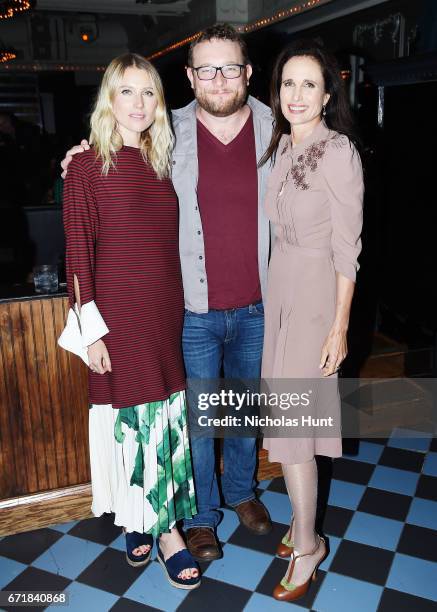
141	464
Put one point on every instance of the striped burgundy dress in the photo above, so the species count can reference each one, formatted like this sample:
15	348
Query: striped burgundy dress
122	243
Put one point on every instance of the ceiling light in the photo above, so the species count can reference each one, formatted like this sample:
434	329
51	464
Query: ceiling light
6	56
10	8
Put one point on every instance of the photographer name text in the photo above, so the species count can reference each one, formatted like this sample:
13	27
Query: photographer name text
257	421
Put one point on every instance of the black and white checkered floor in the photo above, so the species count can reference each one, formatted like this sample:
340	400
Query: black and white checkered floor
381	523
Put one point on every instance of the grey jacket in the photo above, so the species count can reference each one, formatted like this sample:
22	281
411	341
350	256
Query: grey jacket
184	177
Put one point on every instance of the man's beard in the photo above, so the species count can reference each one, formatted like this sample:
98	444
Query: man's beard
220	108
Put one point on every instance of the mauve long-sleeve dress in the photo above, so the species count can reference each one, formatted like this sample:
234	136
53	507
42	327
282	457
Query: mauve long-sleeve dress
314	200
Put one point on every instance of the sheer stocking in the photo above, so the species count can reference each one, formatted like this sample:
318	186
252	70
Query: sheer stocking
301	483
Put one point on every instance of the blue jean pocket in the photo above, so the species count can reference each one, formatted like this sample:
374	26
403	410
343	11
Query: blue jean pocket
257	308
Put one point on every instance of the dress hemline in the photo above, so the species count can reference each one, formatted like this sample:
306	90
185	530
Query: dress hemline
161	398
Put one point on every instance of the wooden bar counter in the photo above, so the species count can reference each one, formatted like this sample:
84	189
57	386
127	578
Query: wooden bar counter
43	398
44	415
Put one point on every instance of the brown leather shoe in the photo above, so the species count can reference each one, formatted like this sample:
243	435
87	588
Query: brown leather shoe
286	590
254	516
202	544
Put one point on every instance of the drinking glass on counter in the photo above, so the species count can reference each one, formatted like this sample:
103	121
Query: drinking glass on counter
45	278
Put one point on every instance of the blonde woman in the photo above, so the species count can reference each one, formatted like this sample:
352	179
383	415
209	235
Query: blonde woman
126	315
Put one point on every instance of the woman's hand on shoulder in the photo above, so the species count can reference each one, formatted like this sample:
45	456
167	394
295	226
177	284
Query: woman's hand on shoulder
99	357
84	146
334	351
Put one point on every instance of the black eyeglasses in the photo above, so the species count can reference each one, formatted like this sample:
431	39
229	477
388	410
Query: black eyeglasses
208	73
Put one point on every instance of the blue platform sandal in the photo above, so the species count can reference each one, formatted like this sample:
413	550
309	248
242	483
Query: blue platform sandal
176	564
134	540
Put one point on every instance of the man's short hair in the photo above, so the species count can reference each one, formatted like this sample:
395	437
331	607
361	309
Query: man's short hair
220	31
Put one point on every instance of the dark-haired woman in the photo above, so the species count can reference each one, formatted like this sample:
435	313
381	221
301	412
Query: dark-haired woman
314	201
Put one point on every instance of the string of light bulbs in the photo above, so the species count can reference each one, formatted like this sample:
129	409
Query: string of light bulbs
250	27
9	8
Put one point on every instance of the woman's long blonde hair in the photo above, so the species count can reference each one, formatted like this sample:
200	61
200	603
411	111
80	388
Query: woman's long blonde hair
156	143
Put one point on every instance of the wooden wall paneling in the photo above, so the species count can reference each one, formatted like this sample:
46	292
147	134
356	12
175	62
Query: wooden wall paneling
60	414
65	409
43	401
46	447
3	423
74	401
7	464
82	397
34	433
75	386
79	374
12	442
78	378
21	325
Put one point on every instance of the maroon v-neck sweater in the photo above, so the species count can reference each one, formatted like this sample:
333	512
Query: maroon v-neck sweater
227	192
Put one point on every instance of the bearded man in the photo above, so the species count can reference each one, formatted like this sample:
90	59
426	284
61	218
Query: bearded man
224	249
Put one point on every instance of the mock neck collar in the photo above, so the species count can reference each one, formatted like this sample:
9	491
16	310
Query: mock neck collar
320	132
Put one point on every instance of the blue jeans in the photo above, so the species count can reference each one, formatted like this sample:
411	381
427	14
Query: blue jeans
232	339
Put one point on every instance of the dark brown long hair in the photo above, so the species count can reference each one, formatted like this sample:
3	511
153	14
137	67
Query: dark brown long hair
338	113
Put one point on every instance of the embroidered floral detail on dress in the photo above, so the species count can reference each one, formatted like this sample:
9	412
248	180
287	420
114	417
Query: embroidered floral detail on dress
308	161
